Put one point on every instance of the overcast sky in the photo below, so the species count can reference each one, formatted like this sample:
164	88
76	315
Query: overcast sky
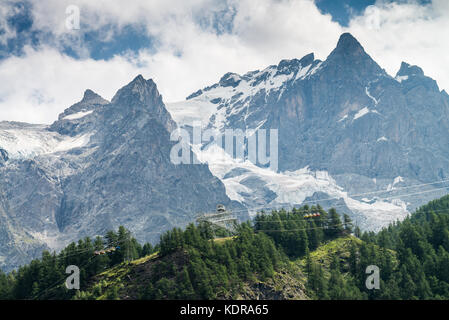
185	45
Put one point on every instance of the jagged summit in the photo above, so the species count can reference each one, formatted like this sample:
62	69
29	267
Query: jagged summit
139	80
348	42
141	98
90	96
307	59
230	79
349	60
89	102
413	77
409	70
139	90
349	48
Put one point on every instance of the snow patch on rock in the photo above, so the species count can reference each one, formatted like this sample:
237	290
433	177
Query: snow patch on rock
34	140
78	115
294	187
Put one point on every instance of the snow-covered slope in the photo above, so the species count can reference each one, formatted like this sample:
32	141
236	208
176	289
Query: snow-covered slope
23	141
346	128
262	189
214	106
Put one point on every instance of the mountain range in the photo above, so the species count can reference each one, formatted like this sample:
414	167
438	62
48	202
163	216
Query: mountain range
350	136
100	165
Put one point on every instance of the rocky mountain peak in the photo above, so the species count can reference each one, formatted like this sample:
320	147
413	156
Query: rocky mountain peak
89	102
409	70
292	66
139	82
348	43
349	59
141	97
230	79
412	77
139	91
93	98
307	59
348	50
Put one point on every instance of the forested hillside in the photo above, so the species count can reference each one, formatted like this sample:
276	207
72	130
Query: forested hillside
421	243
306	253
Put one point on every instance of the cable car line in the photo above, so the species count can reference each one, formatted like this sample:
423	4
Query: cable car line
280	207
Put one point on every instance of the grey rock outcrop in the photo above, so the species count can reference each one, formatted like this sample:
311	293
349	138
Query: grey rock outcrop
100	165
370	131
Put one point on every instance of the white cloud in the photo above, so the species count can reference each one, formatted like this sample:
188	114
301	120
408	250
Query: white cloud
409	32
38	86
43	82
6	32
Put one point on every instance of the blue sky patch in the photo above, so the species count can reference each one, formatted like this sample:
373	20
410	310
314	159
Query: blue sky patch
133	38
343	10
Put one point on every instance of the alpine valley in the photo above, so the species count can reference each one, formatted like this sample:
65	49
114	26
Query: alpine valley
350	136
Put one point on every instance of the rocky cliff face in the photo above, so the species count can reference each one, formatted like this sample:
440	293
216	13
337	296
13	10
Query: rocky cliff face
345	126
100	165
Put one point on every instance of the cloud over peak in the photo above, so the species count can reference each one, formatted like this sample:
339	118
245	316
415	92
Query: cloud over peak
186	45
